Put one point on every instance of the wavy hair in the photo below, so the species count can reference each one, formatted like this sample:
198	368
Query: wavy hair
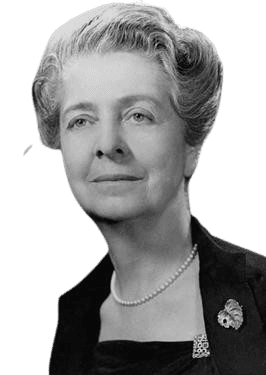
187	56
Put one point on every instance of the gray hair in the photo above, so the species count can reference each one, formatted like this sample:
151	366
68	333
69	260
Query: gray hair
187	56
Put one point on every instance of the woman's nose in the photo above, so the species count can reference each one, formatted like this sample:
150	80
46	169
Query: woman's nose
110	142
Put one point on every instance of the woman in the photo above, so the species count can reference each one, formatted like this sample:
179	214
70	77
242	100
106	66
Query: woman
129	98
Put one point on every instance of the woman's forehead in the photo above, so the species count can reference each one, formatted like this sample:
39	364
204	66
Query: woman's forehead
116	57
118	75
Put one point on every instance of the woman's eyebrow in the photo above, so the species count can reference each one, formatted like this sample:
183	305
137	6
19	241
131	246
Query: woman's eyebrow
124	101
82	106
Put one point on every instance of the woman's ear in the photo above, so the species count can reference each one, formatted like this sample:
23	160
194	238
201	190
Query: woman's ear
191	159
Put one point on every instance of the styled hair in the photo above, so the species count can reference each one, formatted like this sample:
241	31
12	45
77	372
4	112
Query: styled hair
187	57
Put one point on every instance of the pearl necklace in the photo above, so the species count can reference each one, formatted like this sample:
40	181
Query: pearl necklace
160	289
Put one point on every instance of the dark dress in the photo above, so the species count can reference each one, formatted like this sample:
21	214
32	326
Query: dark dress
122	357
226	272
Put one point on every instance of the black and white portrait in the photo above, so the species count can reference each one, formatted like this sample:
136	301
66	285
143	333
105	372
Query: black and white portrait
136	234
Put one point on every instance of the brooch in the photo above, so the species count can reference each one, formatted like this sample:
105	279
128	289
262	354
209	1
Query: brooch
231	315
201	346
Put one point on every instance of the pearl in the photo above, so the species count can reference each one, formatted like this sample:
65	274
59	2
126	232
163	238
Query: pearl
160	289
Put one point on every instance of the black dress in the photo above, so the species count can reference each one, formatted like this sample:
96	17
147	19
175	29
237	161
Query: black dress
126	357
226	272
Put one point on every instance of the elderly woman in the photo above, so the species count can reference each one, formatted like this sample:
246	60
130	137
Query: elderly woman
129	98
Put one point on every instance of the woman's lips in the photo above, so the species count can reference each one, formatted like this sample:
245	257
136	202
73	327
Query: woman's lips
116	177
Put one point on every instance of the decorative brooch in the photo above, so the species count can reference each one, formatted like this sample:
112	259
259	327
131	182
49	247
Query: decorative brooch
201	346
231	315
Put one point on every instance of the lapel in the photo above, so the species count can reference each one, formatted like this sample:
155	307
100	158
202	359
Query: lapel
222	277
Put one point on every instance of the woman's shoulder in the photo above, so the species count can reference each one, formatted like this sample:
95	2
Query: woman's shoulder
254	262
93	286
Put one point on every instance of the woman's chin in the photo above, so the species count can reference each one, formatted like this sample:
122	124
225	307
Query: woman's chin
115	211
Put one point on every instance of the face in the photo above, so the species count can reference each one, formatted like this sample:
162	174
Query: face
121	140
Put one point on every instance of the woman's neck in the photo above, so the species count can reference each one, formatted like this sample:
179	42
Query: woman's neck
146	250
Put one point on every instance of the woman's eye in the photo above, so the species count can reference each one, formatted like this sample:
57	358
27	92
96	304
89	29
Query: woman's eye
79	123
141	117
